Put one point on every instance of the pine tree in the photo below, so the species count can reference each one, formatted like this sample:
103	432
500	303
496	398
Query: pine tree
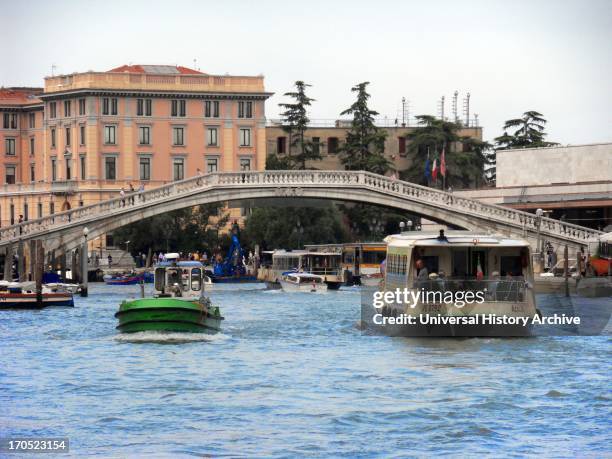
365	142
528	132
295	123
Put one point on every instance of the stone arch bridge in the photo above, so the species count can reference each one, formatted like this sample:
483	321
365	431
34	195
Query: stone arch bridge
64	231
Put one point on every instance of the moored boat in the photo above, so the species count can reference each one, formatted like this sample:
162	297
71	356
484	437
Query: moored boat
303	282
124	280
179	304
16	295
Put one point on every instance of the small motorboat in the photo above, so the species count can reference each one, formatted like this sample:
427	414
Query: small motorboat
16	295
179	304
130	279
371	280
303	282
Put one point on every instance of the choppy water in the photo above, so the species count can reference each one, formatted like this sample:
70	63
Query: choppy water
291	376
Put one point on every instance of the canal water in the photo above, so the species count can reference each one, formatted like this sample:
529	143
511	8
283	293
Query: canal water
292	376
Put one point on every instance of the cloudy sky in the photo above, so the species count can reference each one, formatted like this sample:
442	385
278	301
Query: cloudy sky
552	56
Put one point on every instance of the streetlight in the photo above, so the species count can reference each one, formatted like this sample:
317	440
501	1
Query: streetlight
402	225
539	213
409	225
84	264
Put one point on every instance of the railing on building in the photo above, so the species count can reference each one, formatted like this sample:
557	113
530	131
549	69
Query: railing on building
292	183
385	122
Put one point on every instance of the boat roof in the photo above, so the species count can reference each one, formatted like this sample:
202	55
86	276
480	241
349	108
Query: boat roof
289	253
180	264
304	275
606	237
456	238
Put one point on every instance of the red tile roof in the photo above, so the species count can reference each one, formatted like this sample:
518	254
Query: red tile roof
158	69
20	96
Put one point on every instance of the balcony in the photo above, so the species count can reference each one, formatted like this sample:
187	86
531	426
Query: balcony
64	187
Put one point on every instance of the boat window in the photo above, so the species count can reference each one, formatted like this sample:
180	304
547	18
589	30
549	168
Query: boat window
160	279
173	277
373	257
185	279
396	264
511	265
196	279
432	263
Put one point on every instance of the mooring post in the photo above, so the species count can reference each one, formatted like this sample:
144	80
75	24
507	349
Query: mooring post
8	264
84	266
566	269
32	258
39	267
21	262
142	290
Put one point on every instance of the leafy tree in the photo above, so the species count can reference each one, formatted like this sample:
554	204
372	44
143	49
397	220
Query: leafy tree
528	132
365	142
186	230
295	124
292	227
275	162
465	165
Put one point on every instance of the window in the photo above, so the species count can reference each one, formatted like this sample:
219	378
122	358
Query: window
332	145
82	133
67	105
245	109
105	106
10	121
67	136
51	208
68	169
32	173
26	212
52	137
177	107
245	164
143	107
32	120
402	145
9	146
316	141
114	105
52	110
211	109
144	135
211	137
110	135
145	168
212	165
178	167
39	215
83	167
10	175
31	145
281	145
178	136
12	214
110	168
81	106
53	169
245	137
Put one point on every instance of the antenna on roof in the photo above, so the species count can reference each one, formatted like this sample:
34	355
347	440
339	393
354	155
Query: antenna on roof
53	68
441	107
195	64
454	106
466	109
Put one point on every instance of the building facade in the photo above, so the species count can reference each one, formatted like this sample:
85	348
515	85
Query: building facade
329	139
571	182
85	136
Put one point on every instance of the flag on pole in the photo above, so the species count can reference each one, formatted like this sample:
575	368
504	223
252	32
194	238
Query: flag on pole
427	169
479	273
434	171
443	164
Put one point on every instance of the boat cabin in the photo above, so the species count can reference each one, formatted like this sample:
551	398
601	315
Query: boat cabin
179	279
459	261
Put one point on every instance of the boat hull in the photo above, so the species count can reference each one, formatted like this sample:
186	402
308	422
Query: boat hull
305	288
167	314
28	300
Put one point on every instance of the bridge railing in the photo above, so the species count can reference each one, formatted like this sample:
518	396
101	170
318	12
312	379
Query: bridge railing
307	178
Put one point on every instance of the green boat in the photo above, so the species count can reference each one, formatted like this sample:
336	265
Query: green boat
179	304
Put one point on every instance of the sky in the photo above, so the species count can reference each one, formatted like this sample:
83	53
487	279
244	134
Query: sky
552	56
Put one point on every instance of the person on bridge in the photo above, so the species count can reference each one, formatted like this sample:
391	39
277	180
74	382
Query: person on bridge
132	191
122	195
